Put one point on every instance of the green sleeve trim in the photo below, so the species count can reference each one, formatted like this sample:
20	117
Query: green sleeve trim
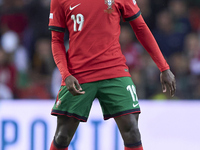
54	28
133	17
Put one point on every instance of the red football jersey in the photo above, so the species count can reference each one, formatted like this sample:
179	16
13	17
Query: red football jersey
94	27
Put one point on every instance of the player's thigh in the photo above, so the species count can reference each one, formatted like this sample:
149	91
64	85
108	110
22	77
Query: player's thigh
118	97
66	125
75	106
126	122
128	127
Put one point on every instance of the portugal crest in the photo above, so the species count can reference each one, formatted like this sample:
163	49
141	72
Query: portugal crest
109	3
58	103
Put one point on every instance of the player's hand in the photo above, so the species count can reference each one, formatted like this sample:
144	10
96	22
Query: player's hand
167	79
73	86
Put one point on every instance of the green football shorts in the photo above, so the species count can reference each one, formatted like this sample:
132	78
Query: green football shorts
117	97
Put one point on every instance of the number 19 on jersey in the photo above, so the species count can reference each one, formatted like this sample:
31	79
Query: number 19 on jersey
78	21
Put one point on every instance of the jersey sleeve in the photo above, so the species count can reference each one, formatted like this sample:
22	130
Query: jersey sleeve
148	41
59	53
130	10
57	17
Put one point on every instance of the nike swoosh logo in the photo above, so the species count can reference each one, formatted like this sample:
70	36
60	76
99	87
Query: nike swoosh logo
71	8
135	105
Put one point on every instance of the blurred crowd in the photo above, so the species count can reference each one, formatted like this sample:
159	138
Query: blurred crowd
27	69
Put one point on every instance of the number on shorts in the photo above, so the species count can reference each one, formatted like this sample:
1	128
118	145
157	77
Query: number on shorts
132	90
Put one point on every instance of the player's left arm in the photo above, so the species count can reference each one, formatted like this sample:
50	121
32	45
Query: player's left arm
148	41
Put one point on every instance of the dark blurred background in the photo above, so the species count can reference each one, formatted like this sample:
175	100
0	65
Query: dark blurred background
27	69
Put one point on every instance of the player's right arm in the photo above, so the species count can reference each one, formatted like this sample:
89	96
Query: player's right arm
59	55
57	27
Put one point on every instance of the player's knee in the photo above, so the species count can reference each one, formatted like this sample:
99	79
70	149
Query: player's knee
62	140
132	135
134	131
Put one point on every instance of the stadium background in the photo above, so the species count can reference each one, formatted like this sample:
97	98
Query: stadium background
29	80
